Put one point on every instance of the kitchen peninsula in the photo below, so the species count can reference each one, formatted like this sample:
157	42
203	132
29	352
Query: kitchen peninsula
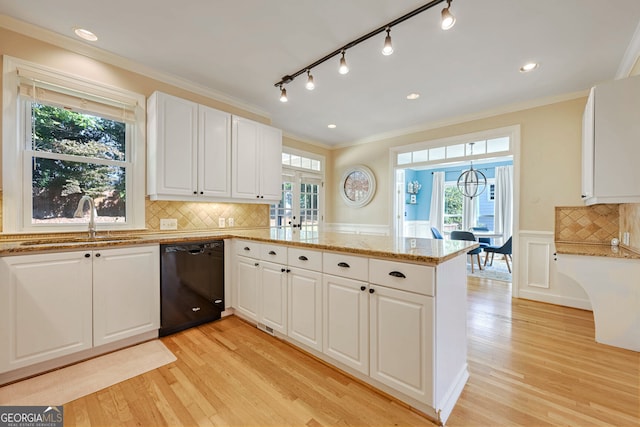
390	312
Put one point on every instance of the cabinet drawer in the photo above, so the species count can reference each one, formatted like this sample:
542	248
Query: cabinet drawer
305	258
247	248
352	267
273	253
408	277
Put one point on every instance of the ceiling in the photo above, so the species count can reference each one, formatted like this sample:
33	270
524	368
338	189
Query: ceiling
241	48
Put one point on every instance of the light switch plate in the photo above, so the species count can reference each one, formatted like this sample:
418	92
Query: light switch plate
221	222
230	222
168	224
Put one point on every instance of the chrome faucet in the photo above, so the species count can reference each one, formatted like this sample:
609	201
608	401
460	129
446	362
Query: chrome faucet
79	213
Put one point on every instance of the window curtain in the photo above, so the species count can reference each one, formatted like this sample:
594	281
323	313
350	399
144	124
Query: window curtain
504	201
469	212
436	212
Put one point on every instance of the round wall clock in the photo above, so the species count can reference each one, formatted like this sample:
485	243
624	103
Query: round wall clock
357	186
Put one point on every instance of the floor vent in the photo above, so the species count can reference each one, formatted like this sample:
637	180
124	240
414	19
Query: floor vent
266	329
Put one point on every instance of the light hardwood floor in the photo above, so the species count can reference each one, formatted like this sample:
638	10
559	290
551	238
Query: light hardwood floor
531	364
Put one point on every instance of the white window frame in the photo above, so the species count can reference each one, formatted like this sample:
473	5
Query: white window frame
16	179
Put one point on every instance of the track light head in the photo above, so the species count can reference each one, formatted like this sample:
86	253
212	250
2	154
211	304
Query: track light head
388	47
344	68
448	20
283	94
310	83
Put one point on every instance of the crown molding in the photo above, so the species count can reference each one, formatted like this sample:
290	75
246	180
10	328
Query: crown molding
630	55
101	55
511	108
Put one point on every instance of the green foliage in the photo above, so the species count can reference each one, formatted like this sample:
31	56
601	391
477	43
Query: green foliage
452	204
59	184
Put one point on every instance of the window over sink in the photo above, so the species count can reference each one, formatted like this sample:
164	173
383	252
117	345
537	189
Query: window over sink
74	138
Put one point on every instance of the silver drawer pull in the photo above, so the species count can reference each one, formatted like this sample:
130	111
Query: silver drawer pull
397	274
195	309
344	264
303	258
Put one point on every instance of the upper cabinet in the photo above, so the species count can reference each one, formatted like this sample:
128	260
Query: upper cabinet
611	143
193	154
257	161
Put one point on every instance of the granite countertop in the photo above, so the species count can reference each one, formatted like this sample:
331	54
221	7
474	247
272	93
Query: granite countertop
591	249
429	251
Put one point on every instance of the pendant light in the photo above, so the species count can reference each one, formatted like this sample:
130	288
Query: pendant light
472	182
310	84
283	94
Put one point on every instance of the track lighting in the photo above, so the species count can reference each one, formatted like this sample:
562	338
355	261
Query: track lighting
448	20
344	68
283	94
310	84
388	47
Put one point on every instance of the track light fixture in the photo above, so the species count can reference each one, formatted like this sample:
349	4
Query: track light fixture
344	68
448	20
310	84
388	47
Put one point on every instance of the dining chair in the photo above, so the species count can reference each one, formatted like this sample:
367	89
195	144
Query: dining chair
505	249
436	233
467	235
486	240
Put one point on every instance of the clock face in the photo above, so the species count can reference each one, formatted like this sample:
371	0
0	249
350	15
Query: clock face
356	186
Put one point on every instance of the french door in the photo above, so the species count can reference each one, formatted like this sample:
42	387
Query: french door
299	210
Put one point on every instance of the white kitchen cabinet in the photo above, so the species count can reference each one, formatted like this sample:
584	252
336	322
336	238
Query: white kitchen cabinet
45	302
189	150
246	281
610	148
57	304
126	292
305	307
346	321
273	296
256	161
402	341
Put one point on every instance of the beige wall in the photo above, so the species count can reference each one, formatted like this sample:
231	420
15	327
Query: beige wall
550	163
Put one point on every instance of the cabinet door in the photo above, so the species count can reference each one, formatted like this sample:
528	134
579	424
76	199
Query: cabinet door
270	163
173	141
126	292
401	353
346	321
244	183
273	296
587	148
305	307
246	284
45	307
214	153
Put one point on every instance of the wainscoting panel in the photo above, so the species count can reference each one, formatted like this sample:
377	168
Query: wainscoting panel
538	276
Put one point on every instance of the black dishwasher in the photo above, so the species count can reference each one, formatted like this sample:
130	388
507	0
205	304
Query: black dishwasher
191	284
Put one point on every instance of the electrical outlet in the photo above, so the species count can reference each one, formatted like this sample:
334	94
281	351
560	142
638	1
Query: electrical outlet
221	222
412	242
230	222
625	238
168	224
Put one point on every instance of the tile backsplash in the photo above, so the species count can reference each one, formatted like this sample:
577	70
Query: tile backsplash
630	222
587	224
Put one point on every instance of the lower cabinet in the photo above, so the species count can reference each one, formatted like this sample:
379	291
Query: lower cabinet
305	307
273	299
401	333
247	286
346	321
56	304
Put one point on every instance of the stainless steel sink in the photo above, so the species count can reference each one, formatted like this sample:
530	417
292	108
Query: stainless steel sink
79	240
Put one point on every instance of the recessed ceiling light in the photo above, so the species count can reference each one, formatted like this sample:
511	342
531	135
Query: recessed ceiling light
331	126
85	34
413	96
530	66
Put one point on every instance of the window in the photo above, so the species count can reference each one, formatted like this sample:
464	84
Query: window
300	208
452	207
75	138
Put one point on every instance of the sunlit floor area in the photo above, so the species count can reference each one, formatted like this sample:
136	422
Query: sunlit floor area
531	364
